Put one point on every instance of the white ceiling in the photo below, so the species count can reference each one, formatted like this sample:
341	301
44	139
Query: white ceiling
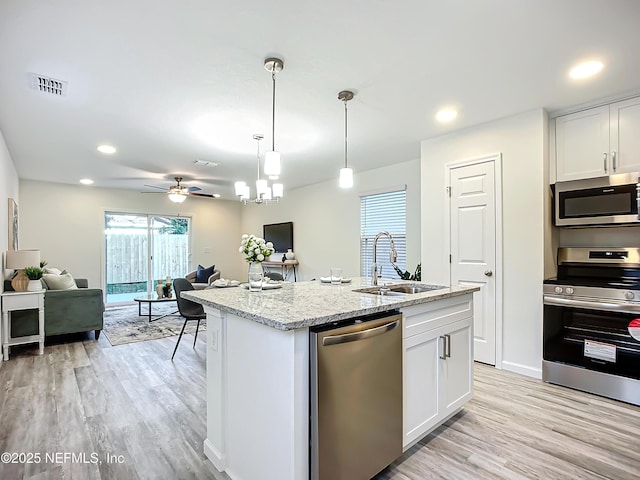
169	82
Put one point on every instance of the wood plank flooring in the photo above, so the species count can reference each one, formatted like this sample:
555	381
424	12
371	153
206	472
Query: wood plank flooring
143	417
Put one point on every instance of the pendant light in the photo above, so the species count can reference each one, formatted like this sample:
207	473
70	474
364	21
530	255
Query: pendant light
264	193
346	173
272	158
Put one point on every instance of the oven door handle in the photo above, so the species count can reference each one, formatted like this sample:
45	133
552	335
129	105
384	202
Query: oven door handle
592	305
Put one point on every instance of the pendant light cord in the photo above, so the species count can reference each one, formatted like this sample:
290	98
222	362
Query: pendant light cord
345	134
273	110
258	140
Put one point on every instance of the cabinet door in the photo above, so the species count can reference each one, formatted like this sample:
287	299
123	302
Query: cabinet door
420	384
582	144
457	369
625	136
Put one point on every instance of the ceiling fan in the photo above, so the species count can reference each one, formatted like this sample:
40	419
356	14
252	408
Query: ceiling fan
178	193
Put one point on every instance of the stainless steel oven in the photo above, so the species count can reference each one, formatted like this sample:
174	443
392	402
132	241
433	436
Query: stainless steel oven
590	319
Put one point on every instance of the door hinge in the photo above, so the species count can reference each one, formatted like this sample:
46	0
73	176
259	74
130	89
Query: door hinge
448	191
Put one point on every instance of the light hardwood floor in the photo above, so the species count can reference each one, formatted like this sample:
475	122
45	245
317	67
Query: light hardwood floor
87	397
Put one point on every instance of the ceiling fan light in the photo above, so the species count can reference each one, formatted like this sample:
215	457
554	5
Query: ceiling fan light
176	197
267	194
346	178
246	193
272	163
278	190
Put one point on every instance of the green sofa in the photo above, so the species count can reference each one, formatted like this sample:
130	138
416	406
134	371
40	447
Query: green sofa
65	311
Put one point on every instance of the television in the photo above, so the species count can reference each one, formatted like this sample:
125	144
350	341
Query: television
280	234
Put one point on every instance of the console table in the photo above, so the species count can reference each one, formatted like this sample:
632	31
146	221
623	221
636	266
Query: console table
12	301
285	267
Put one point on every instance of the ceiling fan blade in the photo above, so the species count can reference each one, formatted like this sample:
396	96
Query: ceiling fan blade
194	189
159	188
206	195
155	192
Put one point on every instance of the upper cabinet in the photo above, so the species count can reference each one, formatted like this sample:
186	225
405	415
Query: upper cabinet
598	141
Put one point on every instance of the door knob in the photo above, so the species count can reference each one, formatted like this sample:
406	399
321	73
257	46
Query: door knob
488	273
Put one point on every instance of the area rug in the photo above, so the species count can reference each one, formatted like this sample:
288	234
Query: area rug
124	325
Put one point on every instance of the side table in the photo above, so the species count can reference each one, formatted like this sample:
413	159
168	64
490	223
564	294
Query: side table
12	301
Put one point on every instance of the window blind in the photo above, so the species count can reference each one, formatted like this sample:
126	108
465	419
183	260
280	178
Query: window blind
383	212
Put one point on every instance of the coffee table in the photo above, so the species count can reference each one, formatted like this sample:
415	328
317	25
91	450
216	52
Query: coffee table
150	299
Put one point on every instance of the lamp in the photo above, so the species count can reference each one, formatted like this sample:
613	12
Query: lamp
178	193
177	197
272	158
264	193
19	260
346	173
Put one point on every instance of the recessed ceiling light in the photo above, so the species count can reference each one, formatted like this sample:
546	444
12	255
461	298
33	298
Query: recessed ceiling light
446	115
586	69
108	149
86	181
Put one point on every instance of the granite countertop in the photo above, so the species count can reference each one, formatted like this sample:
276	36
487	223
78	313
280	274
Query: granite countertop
306	304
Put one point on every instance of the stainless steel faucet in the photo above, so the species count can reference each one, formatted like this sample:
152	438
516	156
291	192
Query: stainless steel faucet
393	257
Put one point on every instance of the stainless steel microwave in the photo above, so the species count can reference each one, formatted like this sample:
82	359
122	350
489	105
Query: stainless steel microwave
598	201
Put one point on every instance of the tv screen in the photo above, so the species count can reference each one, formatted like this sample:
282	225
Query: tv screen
280	234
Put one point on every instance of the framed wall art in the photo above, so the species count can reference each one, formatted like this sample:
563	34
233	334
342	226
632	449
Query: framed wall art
13	225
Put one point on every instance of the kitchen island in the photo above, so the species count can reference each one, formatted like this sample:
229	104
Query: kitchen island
258	367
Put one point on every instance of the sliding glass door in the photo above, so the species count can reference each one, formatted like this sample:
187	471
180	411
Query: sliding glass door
140	250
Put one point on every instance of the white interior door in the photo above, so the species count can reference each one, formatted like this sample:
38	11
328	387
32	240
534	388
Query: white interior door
473	247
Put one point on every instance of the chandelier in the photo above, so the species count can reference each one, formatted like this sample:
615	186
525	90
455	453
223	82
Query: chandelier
264	192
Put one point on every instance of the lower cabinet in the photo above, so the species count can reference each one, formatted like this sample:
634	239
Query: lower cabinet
437	364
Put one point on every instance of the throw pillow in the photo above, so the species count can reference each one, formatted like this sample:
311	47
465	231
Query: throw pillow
59	282
203	274
52	270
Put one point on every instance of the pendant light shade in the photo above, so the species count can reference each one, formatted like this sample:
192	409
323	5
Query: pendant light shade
272	158
346	173
272	163
278	190
346	178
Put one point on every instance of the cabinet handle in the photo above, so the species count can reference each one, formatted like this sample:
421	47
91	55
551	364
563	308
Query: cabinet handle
443	355
605	162
613	159
447	343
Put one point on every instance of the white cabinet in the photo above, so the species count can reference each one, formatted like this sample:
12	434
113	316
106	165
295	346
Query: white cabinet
437	364
598	141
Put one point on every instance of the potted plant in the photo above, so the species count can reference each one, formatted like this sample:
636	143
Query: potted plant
34	274
417	275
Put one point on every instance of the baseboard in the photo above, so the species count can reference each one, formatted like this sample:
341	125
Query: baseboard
522	369
218	459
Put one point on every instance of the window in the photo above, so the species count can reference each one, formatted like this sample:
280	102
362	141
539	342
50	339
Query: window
386	211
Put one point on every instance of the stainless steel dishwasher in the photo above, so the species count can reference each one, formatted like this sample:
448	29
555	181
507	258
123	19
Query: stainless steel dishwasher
356	397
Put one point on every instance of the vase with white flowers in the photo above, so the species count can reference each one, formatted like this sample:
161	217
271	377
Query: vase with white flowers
255	251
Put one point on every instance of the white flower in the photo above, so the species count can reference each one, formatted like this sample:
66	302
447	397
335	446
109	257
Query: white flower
269	245
241	249
260	257
245	236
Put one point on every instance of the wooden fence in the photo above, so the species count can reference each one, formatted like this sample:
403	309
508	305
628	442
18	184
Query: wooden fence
127	256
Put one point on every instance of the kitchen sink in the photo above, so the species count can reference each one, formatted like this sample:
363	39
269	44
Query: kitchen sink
400	289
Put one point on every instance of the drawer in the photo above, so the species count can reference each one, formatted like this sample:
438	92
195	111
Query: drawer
424	317
22	301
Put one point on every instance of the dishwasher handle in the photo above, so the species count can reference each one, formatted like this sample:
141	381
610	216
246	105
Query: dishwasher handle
355	336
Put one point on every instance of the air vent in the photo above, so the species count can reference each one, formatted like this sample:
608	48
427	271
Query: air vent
205	163
48	85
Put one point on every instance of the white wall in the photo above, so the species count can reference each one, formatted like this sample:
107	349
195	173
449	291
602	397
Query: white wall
326	219
522	140
9	188
66	222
